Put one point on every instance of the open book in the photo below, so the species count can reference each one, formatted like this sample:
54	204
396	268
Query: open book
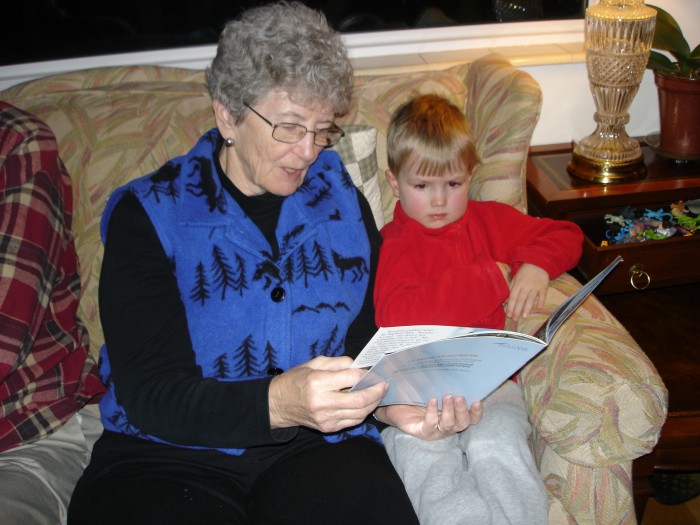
425	361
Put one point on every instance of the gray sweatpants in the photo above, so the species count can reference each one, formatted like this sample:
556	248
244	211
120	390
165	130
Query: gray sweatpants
485	475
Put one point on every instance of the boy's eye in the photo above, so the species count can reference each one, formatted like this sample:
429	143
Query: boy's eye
419	186
455	184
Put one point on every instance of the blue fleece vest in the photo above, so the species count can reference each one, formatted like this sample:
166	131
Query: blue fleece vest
248	313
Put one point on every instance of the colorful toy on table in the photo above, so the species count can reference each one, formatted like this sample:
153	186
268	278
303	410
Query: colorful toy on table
681	211
632	225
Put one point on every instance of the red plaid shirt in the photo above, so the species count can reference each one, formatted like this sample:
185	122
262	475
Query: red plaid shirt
46	372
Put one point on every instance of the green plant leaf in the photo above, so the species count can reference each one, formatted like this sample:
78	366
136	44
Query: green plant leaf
695	54
668	35
660	62
666	18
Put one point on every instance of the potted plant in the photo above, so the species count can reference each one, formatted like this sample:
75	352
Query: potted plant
678	84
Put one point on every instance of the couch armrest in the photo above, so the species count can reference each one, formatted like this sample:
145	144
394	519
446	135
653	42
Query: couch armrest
593	394
503	105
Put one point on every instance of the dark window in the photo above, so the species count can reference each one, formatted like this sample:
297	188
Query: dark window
35	30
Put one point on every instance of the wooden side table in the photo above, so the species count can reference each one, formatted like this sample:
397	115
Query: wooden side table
663	319
552	192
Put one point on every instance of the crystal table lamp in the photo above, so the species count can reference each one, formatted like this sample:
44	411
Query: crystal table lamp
618	38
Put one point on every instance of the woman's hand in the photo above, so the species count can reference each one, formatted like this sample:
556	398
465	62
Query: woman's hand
429	423
314	395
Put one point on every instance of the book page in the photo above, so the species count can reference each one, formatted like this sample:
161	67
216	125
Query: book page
388	340
567	307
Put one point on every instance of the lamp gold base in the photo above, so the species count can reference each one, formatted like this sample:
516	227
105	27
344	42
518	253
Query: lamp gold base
606	172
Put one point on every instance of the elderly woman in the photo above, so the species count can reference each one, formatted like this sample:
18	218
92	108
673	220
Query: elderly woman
229	320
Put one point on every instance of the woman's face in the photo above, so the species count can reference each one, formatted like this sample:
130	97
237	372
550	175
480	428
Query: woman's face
257	163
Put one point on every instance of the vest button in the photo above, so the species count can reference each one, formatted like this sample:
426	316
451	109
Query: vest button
278	294
274	371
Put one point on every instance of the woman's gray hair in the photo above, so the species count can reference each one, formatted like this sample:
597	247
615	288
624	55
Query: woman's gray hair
284	45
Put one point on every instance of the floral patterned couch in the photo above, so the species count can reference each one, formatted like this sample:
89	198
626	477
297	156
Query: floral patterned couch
596	402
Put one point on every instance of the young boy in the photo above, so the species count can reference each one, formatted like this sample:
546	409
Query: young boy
446	260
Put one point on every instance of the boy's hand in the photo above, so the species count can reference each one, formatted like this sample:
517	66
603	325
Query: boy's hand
528	289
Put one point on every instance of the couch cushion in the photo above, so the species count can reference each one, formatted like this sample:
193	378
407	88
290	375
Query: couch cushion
358	149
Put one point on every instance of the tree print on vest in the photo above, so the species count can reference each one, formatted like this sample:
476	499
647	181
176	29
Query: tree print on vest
225	276
228	277
245	361
322	265
200	292
207	186
302	265
270	359
221	368
305	266
288	269
332	346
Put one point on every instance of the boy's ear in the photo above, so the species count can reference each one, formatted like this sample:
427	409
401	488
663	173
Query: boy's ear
393	183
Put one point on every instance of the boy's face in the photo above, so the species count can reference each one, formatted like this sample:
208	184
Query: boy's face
432	201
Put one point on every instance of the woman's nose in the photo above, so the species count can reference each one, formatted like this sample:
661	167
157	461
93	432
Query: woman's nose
306	148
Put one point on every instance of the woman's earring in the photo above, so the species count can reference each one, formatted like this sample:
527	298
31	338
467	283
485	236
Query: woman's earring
228	142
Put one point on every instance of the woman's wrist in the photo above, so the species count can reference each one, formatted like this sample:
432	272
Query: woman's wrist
276	412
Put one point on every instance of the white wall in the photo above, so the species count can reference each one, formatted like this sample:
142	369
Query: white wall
568	108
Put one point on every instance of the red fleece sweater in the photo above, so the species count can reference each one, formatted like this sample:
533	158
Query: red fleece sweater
449	276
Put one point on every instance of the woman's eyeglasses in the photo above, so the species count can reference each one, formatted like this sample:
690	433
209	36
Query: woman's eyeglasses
293	133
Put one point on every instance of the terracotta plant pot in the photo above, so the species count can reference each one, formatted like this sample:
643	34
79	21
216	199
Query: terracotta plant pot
679	112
